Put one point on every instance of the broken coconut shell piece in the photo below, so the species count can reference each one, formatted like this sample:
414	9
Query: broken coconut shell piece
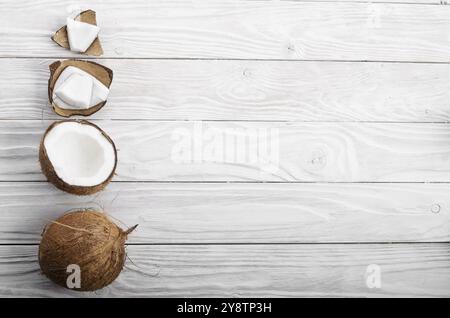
65	83
77	156
61	37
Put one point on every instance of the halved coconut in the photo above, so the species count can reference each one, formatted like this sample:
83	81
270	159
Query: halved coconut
77	156
78	87
84	28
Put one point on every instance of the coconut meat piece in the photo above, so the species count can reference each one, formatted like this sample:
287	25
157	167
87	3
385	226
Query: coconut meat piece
72	92
80	154
81	35
76	91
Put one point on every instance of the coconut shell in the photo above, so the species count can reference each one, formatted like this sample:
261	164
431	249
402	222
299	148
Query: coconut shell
86	238
100	72
51	175
60	37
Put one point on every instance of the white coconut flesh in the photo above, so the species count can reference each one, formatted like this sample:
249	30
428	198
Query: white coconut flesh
77	89
81	34
80	154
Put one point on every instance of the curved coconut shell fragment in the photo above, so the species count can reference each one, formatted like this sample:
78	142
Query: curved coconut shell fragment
100	72
88	239
49	171
60	37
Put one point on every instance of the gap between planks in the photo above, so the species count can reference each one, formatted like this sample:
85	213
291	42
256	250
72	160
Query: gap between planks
49	120
59	57
261	243
244	182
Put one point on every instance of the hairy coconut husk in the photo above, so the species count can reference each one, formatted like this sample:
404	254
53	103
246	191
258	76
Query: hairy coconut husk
60	37
86	238
50	173
100	72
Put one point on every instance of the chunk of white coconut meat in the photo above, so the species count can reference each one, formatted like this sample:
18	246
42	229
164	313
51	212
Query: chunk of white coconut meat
80	154
77	89
81	34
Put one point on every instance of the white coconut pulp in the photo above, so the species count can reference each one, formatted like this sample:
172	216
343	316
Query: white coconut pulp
80	154
80	34
77	89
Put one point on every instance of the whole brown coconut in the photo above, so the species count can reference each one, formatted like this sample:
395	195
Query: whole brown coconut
88	239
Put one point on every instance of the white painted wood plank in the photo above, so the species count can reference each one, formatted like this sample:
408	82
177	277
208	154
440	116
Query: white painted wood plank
408	270
239	29
241	213
407	2
245	90
181	151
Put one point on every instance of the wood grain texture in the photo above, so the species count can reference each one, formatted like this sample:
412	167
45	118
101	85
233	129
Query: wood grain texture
187	151
245	90
224	239
407	2
250	270
238	29
241	213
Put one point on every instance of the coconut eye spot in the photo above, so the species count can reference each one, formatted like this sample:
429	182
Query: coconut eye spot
79	153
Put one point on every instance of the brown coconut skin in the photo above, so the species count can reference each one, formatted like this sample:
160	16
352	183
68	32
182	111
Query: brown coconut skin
88	239
52	177
100	72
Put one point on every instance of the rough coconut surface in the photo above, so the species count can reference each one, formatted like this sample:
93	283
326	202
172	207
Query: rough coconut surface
77	157
85	238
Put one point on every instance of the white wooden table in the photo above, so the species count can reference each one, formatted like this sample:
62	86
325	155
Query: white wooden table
359	93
